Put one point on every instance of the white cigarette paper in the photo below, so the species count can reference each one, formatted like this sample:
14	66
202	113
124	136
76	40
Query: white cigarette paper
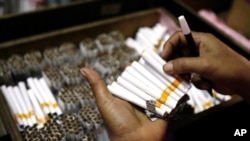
13	106
119	91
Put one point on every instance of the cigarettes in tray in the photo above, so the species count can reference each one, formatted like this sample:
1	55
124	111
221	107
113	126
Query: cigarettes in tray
144	84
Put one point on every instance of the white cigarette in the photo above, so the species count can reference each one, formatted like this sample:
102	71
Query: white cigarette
27	102
41	117
17	106
130	42
143	41
128	96
157	63
44	96
12	106
43	104
132	84
165	95
50	96
149	35
20	103
153	79
153	71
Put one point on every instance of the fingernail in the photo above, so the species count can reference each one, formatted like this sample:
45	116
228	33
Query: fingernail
168	67
82	70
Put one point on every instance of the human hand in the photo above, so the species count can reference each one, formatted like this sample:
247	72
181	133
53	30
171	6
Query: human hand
123	121
227	71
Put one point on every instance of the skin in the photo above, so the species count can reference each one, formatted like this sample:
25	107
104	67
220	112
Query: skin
222	69
123	121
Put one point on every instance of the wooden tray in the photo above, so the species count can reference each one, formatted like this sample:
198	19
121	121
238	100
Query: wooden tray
127	24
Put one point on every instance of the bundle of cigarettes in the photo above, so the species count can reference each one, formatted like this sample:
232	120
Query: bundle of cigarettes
201	100
88	49
90	118
85	95
144	83
33	106
53	78
53	56
72	127
70	74
70	52
35	62
18	67
5	74
68	101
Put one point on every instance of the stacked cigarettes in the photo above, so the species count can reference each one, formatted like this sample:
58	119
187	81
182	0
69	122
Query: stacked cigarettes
35	62
104	43
85	95
70	74
53	56
53	78
68	101
124	55
90	118
70	52
31	106
18	67
44	97
149	38
72	127
88	137
5	74
106	64
53	131
201	100
117	37
144	83
32	134
88	48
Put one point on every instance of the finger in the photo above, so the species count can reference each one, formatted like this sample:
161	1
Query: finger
201	82
98	86
186	65
173	42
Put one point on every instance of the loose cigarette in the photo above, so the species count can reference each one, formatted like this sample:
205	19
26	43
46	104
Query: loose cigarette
141	93
128	96
12	106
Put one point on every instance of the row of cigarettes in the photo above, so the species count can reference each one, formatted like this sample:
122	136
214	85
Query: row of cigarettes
106	53
144	83
149	38
72	99
31	106
154	39
201	100
86	125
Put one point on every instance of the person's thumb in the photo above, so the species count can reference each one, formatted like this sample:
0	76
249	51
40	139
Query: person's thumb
98	86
